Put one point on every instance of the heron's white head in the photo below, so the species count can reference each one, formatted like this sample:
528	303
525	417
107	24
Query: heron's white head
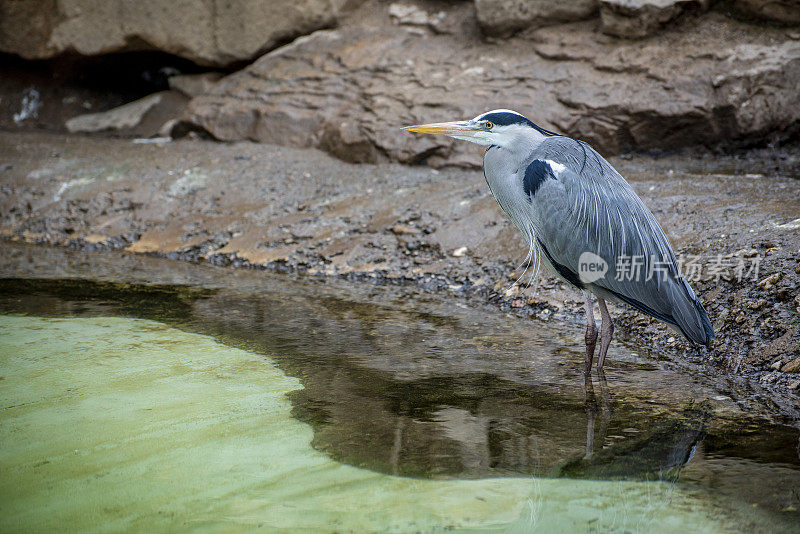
499	127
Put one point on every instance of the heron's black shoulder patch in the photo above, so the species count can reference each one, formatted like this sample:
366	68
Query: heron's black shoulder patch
535	175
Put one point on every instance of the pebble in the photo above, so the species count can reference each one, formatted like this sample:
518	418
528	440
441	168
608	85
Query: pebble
401	229
148	140
747	253
792	367
757	304
460	251
769	281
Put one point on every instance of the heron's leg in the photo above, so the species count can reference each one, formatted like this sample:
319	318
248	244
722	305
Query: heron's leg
606	332
591	332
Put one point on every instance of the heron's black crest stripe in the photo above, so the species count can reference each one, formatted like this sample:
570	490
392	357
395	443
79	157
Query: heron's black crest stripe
535	174
568	274
504	118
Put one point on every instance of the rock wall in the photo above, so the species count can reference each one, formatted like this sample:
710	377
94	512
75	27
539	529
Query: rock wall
704	80
621	74
209	32
503	18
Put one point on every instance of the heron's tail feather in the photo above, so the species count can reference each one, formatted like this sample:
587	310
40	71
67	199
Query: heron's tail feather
687	315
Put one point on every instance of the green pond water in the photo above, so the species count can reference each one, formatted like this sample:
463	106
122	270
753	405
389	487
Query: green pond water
236	402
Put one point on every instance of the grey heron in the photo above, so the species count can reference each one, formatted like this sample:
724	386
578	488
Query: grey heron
583	221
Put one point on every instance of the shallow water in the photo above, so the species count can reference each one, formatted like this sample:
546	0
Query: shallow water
298	405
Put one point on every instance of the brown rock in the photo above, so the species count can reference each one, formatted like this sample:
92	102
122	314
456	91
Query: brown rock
144	117
783	344
768	282
401	229
412	15
193	85
639	18
207	32
349	90
785	12
502	18
792	367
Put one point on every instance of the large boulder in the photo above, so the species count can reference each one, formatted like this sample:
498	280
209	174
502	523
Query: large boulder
638	18
706	81
711	82
194	84
502	18
209	32
143	117
784	12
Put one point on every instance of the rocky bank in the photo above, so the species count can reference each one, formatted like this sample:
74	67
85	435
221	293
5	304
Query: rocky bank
325	84
293	210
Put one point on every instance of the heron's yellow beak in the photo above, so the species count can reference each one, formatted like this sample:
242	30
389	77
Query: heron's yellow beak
458	128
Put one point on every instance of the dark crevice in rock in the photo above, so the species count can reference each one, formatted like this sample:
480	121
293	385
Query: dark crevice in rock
56	90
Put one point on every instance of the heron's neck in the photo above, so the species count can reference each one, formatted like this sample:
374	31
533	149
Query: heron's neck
502	164
519	142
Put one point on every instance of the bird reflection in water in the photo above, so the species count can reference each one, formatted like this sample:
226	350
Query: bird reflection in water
475	429
660	455
593	407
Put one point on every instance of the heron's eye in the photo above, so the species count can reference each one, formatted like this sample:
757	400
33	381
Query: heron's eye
489	125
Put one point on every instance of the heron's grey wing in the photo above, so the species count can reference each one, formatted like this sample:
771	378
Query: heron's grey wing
589	208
